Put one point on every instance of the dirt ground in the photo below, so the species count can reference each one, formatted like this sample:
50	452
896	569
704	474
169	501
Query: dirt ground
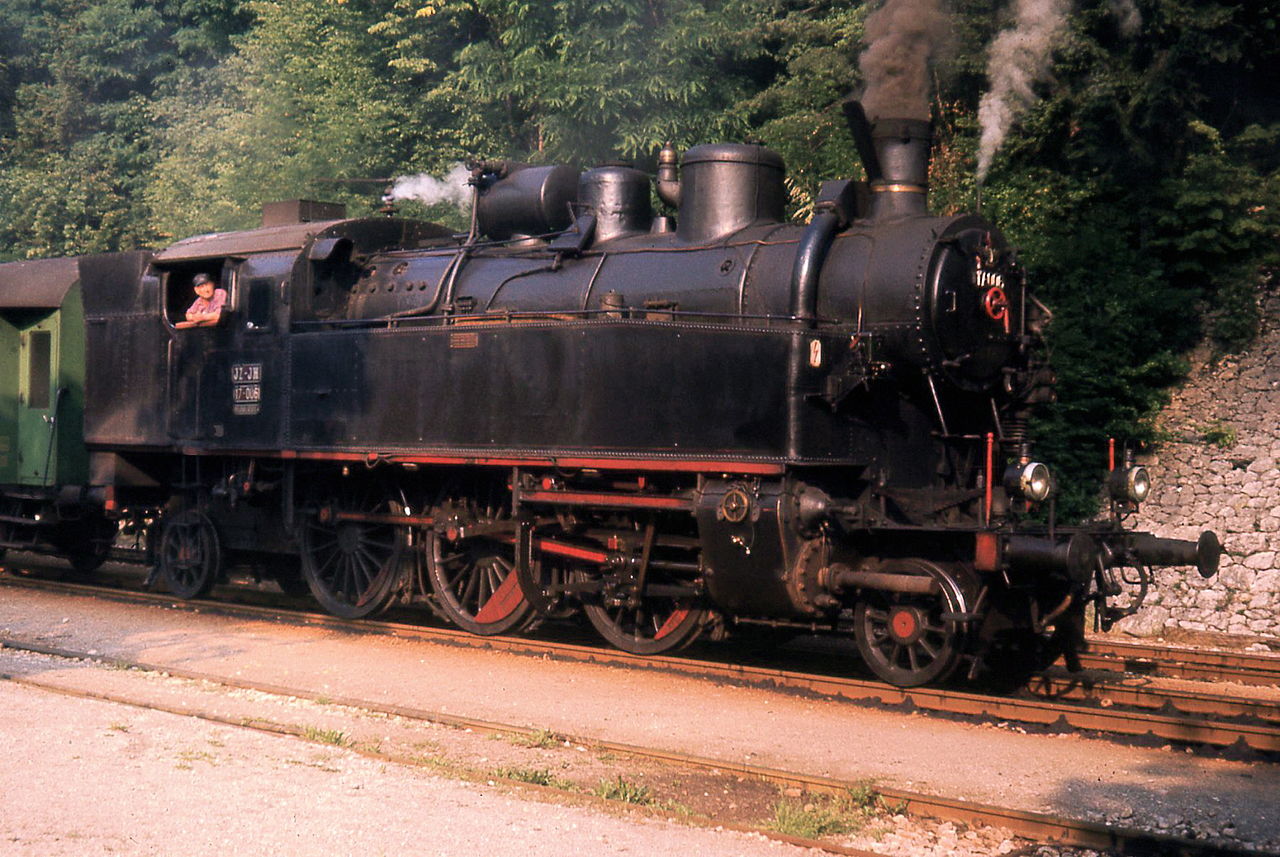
94	776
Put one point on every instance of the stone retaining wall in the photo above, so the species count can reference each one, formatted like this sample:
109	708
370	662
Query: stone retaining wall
1219	468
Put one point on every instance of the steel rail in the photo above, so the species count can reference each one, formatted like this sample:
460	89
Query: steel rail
1057	684
1042	827
1180	662
1190	728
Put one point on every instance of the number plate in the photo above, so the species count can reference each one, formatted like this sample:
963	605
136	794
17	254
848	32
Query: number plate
246	389
246	373
247	393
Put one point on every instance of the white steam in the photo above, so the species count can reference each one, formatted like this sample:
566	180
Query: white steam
428	190
1018	59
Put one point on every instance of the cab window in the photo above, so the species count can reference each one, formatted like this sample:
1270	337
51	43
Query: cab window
197	296
258	303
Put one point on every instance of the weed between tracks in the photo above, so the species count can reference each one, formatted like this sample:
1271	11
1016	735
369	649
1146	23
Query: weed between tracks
336	737
539	739
623	791
818	816
534	776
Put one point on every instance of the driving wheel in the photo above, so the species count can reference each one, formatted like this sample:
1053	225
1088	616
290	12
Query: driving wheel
352	555
475	584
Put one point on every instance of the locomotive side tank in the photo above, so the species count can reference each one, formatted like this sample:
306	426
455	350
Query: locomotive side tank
675	425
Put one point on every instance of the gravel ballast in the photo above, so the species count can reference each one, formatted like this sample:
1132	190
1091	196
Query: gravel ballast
1153	787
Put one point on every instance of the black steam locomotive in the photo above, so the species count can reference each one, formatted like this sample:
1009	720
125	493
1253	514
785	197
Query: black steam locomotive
675	425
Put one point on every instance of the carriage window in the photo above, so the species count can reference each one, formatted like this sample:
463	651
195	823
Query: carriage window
40	344
258	312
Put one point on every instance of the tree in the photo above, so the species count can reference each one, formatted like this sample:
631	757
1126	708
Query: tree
75	115
307	97
576	80
1145	196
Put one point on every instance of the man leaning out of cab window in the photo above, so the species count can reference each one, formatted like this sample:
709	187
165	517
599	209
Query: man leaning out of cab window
206	310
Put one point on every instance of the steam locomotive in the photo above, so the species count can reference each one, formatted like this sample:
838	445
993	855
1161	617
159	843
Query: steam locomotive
677	426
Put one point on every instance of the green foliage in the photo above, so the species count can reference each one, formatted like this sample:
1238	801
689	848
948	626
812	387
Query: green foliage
623	790
1220	226
534	776
1219	433
808	64
326	736
575	80
305	99
814	817
538	739
1143	187
76	115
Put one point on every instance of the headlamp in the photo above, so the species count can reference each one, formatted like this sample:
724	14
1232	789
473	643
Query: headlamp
1030	481
1130	483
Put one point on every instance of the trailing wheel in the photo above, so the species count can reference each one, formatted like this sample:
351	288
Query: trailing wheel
475	584
352	555
189	554
906	638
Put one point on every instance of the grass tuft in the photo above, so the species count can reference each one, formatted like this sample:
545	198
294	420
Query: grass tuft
814	817
621	790
539	739
336	737
534	776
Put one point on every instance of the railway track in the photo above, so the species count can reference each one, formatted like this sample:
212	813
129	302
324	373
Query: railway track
1040	827
1180	662
1093	703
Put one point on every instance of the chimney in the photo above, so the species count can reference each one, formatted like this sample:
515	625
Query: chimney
903	149
895	155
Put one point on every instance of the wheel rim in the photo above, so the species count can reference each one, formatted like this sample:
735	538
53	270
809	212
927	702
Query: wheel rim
649	626
352	566
475	583
190	556
904	638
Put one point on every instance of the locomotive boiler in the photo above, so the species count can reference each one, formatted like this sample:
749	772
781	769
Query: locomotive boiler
676	424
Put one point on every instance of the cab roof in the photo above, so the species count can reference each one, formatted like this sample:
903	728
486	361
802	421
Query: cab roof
295	236
37	283
266	239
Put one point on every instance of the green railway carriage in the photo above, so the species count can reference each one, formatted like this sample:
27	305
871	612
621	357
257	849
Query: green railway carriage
42	450
42	372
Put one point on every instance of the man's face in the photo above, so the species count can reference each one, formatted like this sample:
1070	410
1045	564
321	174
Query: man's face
205	290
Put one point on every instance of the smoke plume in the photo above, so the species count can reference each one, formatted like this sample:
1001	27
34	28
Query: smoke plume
429	190
1018	59
902	37
1128	18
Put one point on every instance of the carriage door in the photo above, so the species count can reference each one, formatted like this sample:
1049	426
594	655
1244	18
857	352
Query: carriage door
40	401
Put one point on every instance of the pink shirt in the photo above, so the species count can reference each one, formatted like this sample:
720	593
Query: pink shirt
213	304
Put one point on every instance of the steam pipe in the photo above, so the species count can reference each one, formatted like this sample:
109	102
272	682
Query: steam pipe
810	255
